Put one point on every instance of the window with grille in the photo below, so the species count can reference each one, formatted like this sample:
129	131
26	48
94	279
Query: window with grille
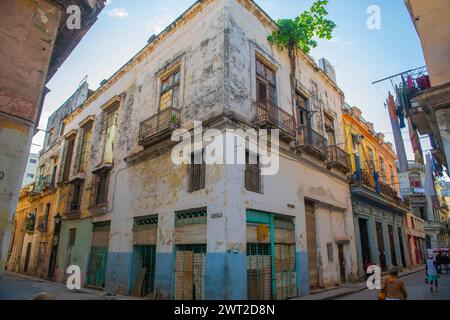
196	172
170	90
85	146
252	173
192	216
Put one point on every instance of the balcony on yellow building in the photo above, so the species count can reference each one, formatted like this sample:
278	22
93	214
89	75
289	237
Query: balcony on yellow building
366	180
270	116
312	142
158	126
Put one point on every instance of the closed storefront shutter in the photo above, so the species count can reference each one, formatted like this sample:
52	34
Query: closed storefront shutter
312	245
190	256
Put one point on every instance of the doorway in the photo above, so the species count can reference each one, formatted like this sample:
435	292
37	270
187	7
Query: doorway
380	242
341	262
364	239
392	245
402	252
27	258
311	240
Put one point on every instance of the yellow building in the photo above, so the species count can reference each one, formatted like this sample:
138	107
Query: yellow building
368	149
379	212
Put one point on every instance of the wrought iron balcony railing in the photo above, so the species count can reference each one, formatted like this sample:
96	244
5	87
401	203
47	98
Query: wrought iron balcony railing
271	116
158	126
338	158
311	140
366	178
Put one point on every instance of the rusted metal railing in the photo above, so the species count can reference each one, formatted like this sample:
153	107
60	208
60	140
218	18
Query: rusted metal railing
270	115
167	119
309	137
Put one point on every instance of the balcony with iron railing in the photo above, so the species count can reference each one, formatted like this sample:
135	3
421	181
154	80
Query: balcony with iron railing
270	116
366	178
339	159
312	142
48	182
158	126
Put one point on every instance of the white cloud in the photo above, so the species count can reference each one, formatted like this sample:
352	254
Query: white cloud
108	2
118	13
159	23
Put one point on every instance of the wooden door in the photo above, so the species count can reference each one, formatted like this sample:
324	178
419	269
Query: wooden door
380	242
312	246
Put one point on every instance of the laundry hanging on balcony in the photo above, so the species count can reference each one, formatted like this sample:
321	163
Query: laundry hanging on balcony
398	139
377	184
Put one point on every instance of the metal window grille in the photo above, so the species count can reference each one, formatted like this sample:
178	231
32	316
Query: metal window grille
285	271
193	216
259	271
146	220
144	258
189	272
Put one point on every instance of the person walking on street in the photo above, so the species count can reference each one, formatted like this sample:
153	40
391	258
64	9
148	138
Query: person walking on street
393	287
432	273
438	262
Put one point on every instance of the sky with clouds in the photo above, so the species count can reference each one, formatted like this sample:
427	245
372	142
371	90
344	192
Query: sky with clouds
359	55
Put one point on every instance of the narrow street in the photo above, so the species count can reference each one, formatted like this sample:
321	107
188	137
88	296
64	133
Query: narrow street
416	287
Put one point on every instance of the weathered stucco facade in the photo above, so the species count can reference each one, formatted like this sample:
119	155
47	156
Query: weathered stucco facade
135	208
35	41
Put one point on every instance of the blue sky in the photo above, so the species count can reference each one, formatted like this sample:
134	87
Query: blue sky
359	55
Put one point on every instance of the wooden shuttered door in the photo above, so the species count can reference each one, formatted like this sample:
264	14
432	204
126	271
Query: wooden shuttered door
284	255
100	234
190	241
311	239
145	230
190	233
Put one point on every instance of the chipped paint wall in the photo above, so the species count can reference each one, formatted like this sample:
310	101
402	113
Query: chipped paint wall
301	177
29	28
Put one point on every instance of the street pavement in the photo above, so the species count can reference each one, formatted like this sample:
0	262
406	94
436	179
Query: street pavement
19	287
415	286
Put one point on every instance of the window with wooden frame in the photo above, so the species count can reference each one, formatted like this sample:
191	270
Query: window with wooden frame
329	129
170	90
86	135
382	170
70	142
100	188
265	84
252	173
76	192
302	110
196	172
109	132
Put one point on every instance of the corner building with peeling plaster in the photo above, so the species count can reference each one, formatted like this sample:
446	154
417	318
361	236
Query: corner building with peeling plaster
210	231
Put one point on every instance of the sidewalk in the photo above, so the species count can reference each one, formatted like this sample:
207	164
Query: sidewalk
348	288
